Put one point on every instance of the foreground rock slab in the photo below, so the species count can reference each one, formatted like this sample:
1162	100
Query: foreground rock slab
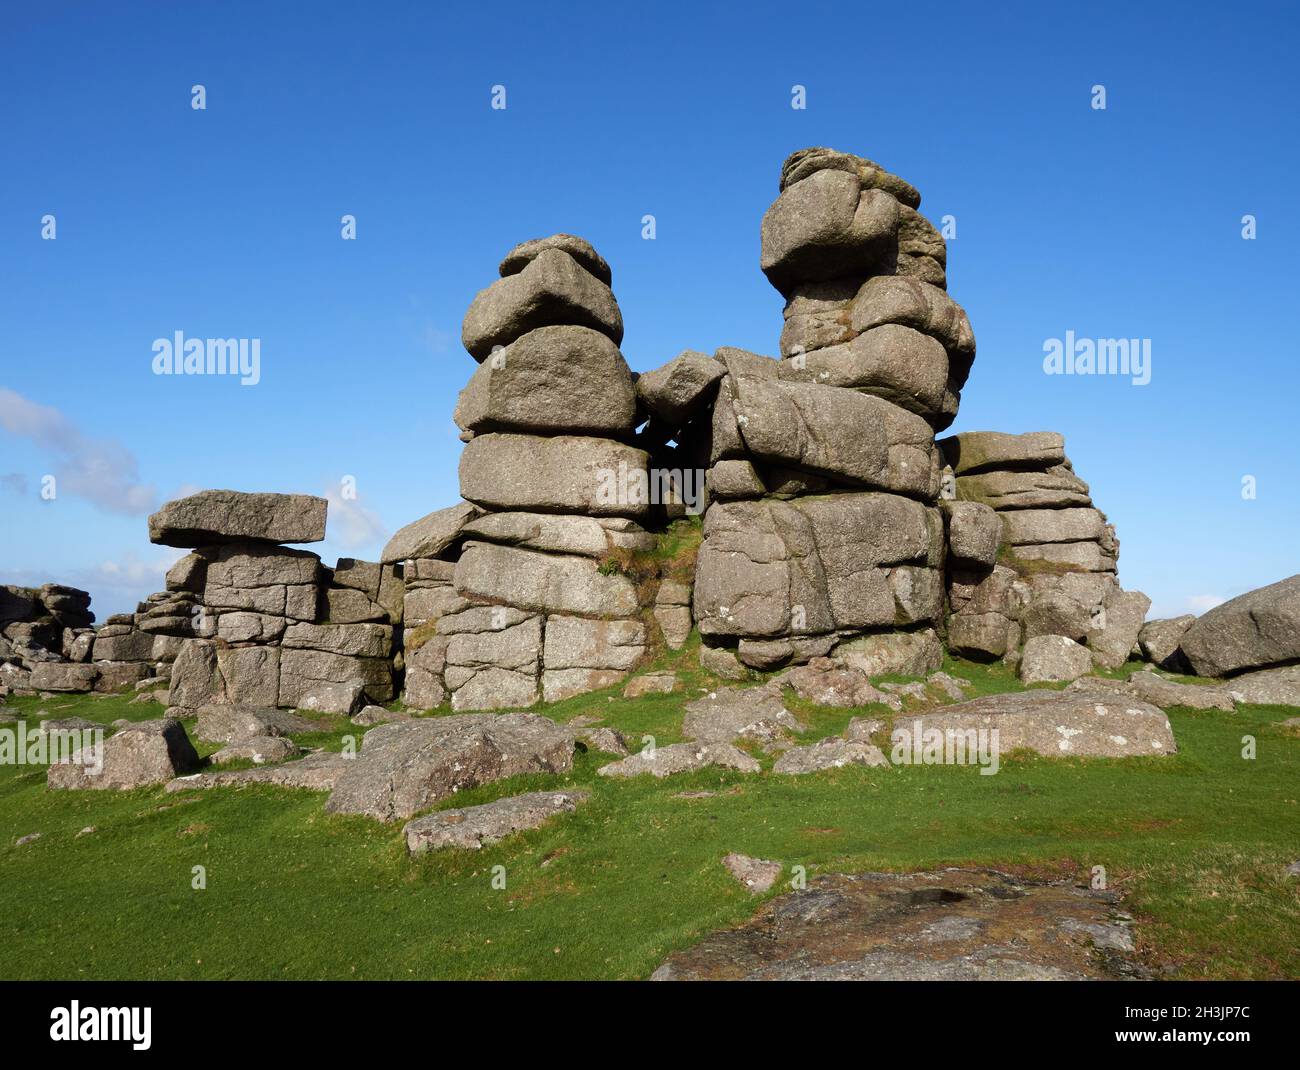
410	766
478	826
1057	724
950	925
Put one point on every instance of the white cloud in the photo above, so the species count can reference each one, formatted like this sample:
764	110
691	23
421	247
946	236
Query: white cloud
1199	603
102	471
351	524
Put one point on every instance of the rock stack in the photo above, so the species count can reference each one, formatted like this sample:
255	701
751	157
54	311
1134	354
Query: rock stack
537	605
47	631
822	532
271	625
1030	555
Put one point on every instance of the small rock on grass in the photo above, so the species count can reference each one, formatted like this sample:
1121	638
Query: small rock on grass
756	874
31	837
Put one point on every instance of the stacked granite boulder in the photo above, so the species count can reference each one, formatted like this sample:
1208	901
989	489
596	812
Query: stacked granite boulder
534	606
47	631
822	532
1029	554
271	625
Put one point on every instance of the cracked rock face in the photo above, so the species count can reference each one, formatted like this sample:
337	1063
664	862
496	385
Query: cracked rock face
954	924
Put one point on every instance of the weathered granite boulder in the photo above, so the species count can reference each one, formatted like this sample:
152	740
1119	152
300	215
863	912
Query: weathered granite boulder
827	227
809	566
902	653
140	754
587	536
62	676
1280	686
256	749
677	391
581	654
479	826
979	451
830	753
755	713
1053	658
552	288
542	583
228	723
1252	631
217	516
1059	723
430	536
829	682
1114	641
1159	641
560	474
554	379
410	766
580	249
974	534
681	758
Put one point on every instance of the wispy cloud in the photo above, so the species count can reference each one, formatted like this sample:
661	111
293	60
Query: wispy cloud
1199	603
102	471
351	524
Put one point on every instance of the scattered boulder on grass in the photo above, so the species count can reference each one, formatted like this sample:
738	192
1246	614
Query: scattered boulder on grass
409	766
1159	641
1165	693
143	753
609	740
230	723
373	715
652	683
828	682
257	749
756	874
479	826
681	758
316	772
1275	687
830	753
1058	724
755	713
1255	630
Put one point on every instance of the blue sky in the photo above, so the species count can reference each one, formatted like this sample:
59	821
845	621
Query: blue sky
225	222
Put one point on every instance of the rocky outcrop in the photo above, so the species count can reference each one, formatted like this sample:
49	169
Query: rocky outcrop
1052	570
479	826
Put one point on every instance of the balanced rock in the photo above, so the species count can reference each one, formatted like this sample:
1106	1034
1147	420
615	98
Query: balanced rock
551	289
217	516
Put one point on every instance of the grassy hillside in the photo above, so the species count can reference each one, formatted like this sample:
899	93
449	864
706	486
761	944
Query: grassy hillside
1198	842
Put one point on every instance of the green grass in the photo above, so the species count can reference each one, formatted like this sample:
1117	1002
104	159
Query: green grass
1197	841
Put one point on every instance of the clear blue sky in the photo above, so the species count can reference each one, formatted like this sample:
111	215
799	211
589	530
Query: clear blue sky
225	222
